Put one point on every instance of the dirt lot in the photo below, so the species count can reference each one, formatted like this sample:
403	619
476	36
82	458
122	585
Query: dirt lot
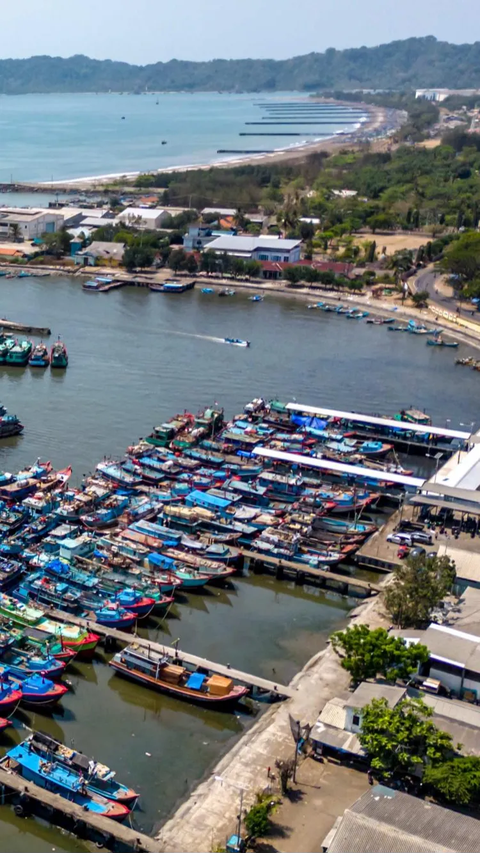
305	817
394	242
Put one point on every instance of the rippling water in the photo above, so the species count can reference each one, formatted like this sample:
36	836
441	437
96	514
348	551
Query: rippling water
58	137
135	359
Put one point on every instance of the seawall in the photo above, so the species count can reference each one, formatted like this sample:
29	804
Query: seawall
209	815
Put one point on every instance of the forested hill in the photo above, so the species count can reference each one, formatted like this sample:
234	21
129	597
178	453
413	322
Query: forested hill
415	62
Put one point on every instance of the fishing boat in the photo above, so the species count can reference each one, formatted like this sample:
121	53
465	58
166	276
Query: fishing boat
398	328
356	314
10	696
99	779
22	663
172	286
337	525
19	354
10	572
258	297
39	356
72	637
31	640
236	342
207	290
6	345
18	490
60	779
226	291
91	286
162	673
113	471
438	341
37	691
58	355
107	514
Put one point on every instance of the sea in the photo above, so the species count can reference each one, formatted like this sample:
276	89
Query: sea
137	358
60	137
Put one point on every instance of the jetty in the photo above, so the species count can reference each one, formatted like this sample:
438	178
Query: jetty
10	326
302	571
31	798
281	690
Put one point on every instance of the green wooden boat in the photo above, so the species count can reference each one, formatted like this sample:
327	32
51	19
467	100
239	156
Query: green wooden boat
19	354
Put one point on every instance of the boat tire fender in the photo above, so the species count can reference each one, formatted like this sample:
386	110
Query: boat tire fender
19	810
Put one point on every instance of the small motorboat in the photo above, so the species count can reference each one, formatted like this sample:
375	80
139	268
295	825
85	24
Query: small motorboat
257	298
438	341
236	342
207	290
39	356
226	291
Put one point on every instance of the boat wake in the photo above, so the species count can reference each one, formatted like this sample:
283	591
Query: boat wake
193	335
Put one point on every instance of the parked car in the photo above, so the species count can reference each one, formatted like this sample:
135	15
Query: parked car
400	538
423	537
417	552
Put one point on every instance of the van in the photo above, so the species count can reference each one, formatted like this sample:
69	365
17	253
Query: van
423	537
400	538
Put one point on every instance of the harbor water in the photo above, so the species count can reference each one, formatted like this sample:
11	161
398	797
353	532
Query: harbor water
137	358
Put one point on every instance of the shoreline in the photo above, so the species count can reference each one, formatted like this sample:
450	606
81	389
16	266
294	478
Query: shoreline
376	120
209	814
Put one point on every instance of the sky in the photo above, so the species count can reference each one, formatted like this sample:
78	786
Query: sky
145	31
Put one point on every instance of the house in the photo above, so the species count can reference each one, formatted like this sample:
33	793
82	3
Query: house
26	223
198	237
340	721
100	252
394	822
261	248
275	270
218	211
143	217
455	647
336	729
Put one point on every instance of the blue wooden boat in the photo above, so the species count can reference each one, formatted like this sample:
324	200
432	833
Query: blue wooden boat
165	535
10	572
62	780
107	514
22	663
207	290
118	475
338	525
37	691
256	298
99	779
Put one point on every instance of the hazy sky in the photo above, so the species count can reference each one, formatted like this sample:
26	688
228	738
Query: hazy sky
144	31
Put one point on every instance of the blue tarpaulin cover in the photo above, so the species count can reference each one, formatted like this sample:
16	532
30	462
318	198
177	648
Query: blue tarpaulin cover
196	680
305	421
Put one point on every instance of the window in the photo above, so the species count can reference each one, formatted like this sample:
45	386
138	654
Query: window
356	719
285	259
263	257
277	258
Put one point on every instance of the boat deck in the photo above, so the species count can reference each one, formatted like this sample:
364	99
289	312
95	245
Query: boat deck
195	660
103	827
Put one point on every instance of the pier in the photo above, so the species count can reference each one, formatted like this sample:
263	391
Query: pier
30	798
301	571
10	326
219	668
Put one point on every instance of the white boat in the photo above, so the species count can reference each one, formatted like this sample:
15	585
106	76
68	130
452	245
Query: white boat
236	342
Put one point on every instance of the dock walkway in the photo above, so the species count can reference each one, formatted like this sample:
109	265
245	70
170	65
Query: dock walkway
219	668
105	830
289	566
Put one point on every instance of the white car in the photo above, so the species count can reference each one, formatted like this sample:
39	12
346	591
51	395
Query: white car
400	538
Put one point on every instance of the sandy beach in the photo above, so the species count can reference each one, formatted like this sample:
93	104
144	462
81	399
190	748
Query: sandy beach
378	118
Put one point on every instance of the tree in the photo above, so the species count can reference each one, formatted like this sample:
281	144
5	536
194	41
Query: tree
366	654
253	269
15	231
177	260
420	299
456	781
399	740
462	258
370	252
138	256
58	242
257	820
419	585
191	264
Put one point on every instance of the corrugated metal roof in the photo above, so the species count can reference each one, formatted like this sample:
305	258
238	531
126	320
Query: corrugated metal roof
334	713
369	690
386	821
467	563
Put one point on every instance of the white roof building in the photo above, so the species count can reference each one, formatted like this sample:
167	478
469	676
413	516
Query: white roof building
262	248
143	217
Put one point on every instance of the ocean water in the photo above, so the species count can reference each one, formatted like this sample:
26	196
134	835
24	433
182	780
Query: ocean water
64	136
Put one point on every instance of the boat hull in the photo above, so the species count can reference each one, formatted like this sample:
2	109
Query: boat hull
222	702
